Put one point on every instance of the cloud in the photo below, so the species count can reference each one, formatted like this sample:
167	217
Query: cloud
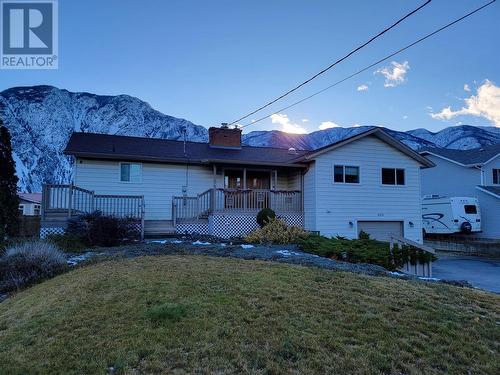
405	117
356	126
328	125
305	120
286	124
394	74
466	87
486	104
362	88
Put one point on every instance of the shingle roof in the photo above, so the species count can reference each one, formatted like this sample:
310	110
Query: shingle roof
492	189
151	149
31	197
466	157
118	147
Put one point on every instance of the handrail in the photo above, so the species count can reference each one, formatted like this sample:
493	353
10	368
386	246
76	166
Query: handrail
406	241
60	198
234	200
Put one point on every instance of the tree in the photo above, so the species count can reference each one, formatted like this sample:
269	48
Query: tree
9	201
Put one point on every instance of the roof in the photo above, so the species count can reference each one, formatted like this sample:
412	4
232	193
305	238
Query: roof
31	197
117	147
477	156
383	136
492	190
162	150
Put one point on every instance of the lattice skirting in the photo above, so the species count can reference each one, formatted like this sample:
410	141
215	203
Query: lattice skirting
238	225
44	232
192	228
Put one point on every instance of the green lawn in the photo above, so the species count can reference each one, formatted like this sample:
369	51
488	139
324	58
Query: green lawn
187	314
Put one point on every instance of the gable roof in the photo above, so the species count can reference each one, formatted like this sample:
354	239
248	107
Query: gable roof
161	150
380	134
30	197
466	158
117	147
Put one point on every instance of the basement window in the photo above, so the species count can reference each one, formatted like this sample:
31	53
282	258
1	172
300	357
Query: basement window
130	172
393	176
346	174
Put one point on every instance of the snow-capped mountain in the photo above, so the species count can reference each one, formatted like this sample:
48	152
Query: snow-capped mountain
42	118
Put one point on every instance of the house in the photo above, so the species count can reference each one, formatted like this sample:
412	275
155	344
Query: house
468	173
29	204
368	182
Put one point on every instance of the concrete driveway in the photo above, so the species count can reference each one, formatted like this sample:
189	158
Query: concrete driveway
481	272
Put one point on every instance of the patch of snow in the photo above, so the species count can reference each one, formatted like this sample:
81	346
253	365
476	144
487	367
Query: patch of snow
223	245
287	253
429	278
74	260
158	241
176	241
244	246
200	243
396	273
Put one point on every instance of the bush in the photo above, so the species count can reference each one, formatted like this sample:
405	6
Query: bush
264	216
67	242
363	235
29	262
96	229
364	251
276	231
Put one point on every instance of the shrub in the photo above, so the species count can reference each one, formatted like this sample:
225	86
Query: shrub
26	263
363	235
264	216
278	232
364	251
96	229
67	242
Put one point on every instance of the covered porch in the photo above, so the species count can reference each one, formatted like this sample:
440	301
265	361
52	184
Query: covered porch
243	190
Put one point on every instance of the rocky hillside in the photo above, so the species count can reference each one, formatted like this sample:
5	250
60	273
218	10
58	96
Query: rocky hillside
42	118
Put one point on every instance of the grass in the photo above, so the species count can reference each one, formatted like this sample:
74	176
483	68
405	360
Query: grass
195	314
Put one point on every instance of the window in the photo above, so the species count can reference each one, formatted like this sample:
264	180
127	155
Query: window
496	176
36	210
470	209
130	172
346	174
393	176
21	209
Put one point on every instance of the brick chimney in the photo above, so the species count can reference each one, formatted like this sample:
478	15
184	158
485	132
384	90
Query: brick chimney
224	137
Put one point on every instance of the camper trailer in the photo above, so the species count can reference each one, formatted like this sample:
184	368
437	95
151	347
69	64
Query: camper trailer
448	215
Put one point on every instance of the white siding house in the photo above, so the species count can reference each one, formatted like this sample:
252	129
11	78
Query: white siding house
468	173
218	187
336	209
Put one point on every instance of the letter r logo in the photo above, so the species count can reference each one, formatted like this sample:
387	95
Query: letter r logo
27	27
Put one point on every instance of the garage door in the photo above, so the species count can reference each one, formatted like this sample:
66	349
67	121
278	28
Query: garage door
381	230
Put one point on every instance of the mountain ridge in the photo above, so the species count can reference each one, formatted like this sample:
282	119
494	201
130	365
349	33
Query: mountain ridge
42	118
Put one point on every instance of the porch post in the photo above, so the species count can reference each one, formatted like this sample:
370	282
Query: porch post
214	190
245	196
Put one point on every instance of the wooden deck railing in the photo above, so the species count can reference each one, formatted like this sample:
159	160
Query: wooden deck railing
417	269
231	200
73	200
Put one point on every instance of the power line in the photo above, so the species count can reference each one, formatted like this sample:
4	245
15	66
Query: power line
332	65
374	64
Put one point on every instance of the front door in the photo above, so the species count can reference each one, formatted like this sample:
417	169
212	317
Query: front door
255	194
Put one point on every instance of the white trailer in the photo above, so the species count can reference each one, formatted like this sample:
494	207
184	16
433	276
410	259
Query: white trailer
447	215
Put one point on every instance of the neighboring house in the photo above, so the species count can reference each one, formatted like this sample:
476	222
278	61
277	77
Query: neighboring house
468	173
368	182
29	204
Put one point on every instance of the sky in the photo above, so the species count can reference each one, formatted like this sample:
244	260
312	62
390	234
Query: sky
214	61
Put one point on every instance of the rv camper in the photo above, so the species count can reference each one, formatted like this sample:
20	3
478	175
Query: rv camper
447	215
